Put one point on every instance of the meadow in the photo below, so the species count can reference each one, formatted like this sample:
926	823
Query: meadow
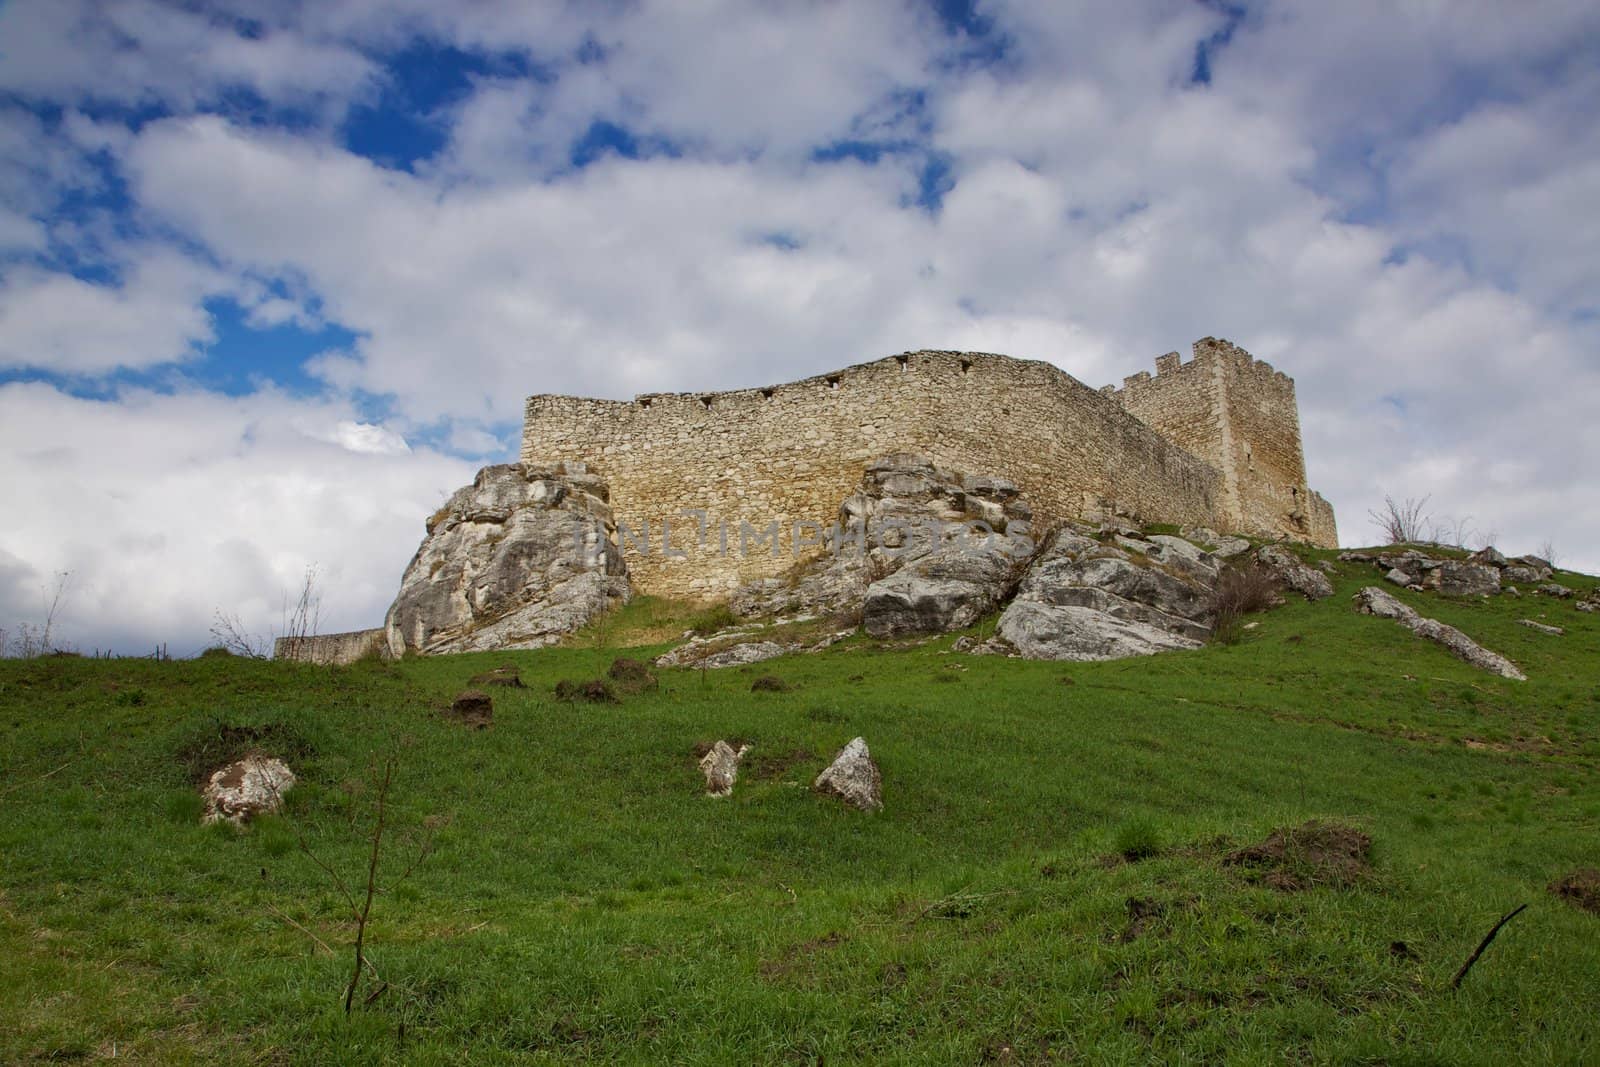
1049	880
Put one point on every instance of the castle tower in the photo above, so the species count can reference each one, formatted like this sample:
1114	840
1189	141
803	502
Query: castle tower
1240	415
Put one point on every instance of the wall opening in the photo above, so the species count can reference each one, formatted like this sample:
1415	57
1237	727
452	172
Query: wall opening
644	402
904	361
706	400
766	394
833	381
966	365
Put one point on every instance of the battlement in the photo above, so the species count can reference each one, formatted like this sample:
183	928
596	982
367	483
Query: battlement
792	451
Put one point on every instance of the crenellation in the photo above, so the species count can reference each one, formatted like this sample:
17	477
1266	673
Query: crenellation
1162	447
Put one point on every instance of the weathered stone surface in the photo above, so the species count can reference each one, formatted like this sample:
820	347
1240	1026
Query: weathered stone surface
708	653
1554	631
1288	569
515	560
1068	632
1076	604
246	788
1555	589
853	777
1525	575
1374	601
910	557
721	767
1399	577
1456	578
472	707
1489	556
1179	555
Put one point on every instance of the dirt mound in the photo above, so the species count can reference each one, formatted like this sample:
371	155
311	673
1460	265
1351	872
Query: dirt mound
631	676
595	691
501	676
769	683
1581	889
1311	854
472	708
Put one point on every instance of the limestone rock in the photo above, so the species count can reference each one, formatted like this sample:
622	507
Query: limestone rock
1374	601
1075	604
714	653
1553	631
1068	632
1526	575
910	557
1489	556
853	777
1457	578
721	767
1555	589
515	560
246	788
1398	577
1288	569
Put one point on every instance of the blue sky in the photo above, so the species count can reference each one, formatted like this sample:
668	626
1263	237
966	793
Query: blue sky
275	278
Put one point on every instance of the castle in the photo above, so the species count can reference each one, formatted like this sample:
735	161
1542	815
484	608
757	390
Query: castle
1214	441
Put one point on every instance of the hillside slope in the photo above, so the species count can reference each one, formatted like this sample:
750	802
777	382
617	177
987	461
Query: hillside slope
1048	880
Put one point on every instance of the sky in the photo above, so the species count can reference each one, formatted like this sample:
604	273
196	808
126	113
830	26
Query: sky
275	278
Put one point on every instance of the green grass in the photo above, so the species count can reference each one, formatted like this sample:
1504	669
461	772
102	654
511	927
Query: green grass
1046	882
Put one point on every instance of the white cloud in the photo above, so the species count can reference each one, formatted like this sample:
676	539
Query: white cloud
167	508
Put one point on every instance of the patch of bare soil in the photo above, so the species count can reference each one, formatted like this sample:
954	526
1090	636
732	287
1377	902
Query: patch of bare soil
1581	889
1312	854
769	683
473	708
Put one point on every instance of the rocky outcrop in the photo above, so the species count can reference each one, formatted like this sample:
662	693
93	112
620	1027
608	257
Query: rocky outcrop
1374	601
853	777
1478	575
720	765
921	550
1287	568
515	560
244	789
1077	603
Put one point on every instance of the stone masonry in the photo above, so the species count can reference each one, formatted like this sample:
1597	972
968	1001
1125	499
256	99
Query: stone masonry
711	490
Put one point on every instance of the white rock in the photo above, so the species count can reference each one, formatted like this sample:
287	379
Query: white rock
853	777
721	768
249	787
1374	601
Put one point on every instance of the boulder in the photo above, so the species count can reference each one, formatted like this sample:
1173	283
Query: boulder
1516	572
1399	577
1555	589
1287	568
246	788
1489	556
910	556
1457	578
1553	631
1182	556
1076	604
708	653
515	560
1374	601
853	777
720	765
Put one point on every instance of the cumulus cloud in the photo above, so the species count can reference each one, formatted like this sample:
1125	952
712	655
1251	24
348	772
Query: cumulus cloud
166	508
1389	205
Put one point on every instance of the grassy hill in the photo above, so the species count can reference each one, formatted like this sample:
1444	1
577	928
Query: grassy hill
1049	881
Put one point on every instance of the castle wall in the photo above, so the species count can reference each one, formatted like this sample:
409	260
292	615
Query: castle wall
793	452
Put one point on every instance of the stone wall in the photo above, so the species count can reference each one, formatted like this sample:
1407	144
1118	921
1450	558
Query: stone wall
1241	416
790	453
332	650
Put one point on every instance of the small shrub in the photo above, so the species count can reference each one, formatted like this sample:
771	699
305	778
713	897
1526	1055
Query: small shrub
712	619
1240	591
1138	839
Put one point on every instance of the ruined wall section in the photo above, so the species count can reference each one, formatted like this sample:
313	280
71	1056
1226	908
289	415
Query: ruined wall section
793	452
1241	415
